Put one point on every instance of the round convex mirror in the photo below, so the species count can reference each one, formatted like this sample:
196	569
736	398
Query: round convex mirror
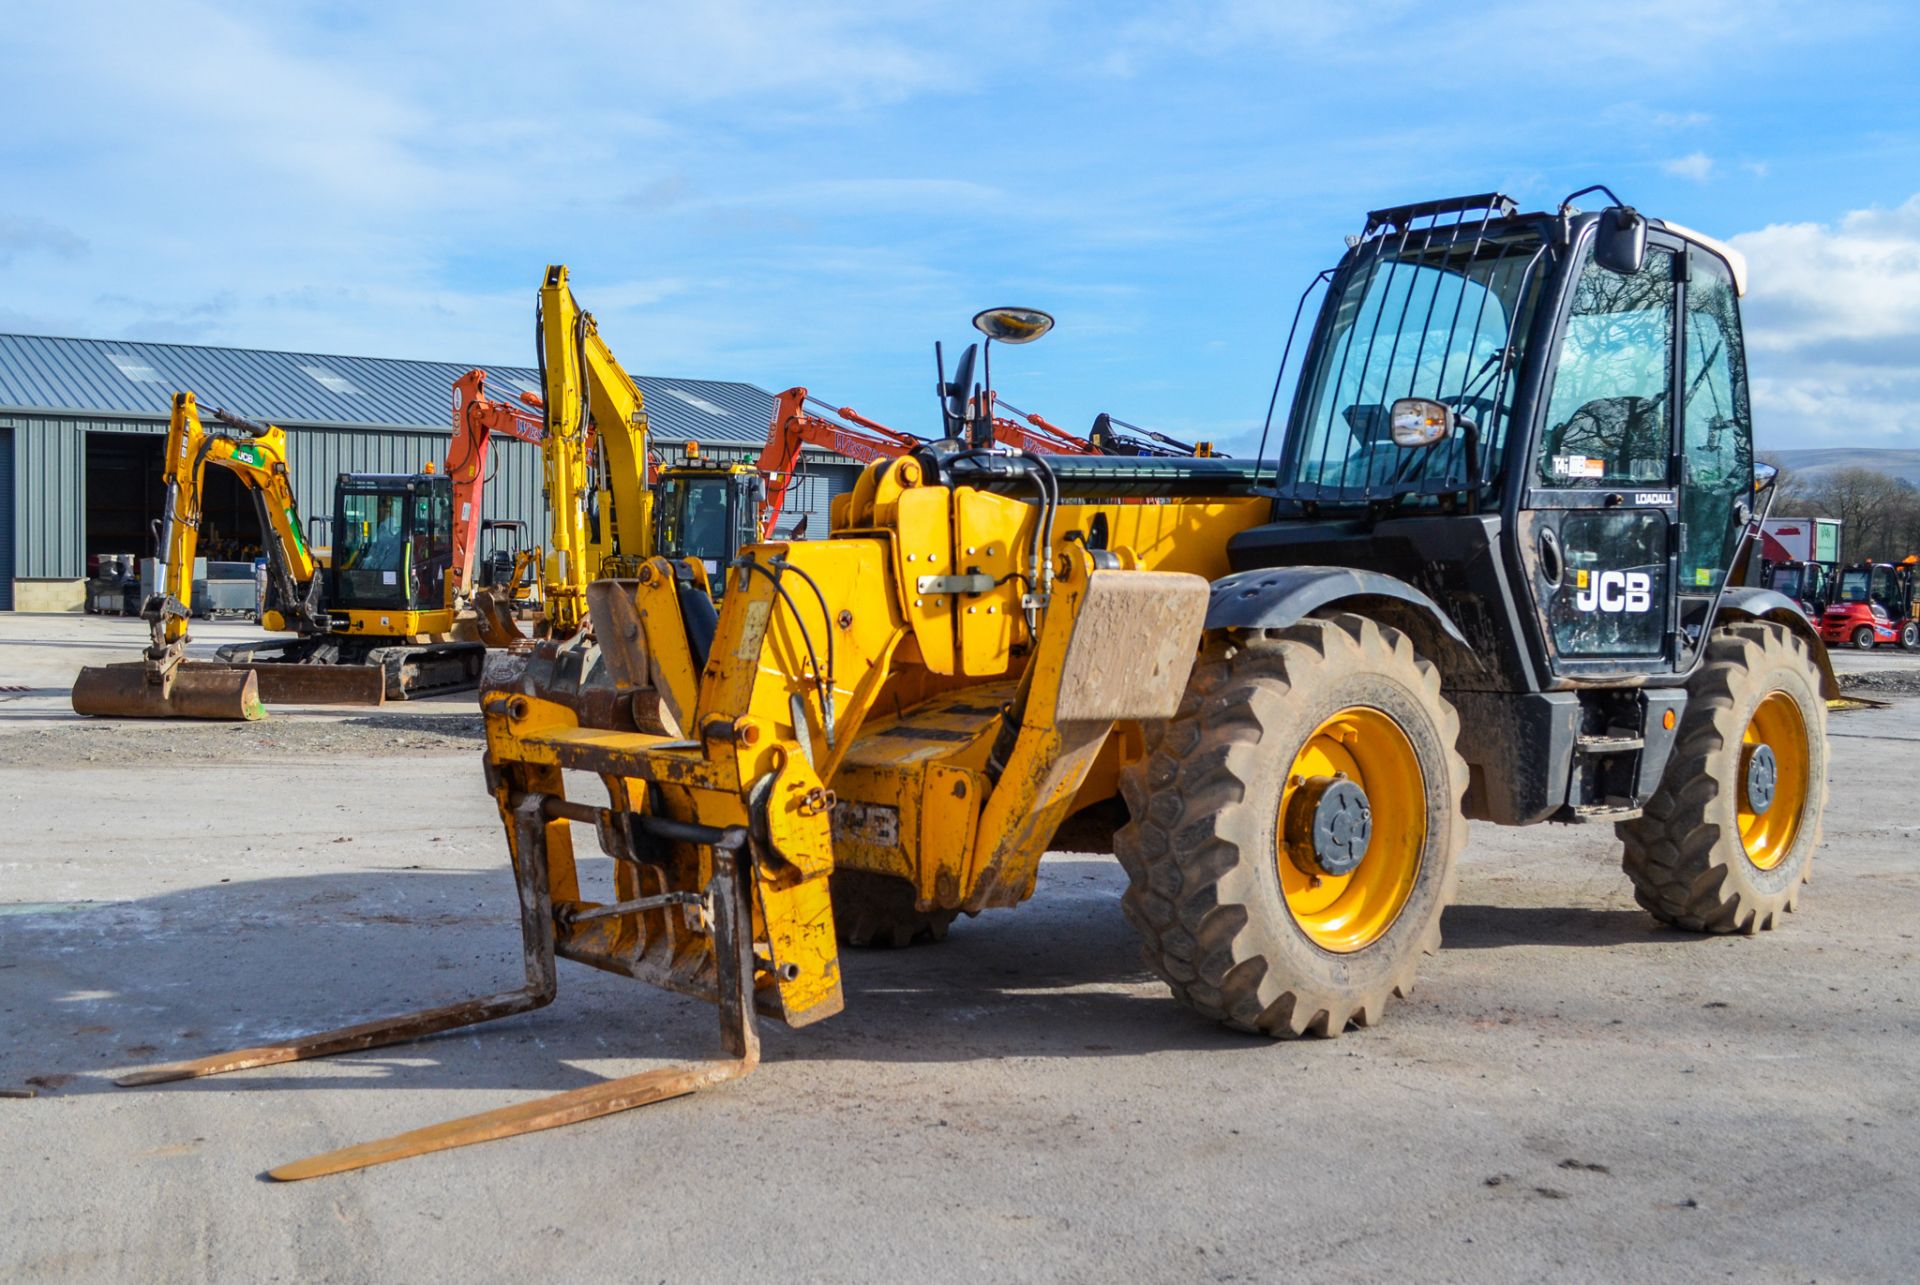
1013	325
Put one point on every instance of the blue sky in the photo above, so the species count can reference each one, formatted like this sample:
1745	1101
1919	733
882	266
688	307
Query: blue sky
812	193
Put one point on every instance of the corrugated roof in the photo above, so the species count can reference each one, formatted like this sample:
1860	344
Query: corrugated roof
103	376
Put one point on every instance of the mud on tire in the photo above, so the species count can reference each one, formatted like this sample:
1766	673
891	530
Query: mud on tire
1202	850
1685	854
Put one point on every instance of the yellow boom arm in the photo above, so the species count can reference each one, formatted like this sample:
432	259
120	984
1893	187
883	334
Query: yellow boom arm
584	383
259	460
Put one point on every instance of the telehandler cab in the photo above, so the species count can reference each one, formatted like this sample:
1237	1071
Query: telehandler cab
1515	492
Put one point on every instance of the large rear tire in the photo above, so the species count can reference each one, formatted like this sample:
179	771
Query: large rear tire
1240	904
1727	840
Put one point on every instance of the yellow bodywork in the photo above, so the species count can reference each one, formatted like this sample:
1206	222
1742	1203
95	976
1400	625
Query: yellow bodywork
900	699
397	625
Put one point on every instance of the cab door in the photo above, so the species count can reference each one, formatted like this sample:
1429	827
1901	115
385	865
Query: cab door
1600	515
1716	443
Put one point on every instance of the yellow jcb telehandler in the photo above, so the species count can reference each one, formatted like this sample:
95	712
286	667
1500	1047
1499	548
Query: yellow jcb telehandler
1515	492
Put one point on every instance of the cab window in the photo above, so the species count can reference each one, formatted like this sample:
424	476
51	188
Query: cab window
1609	420
1717	455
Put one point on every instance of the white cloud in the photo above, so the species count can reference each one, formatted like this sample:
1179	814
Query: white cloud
1855	280
1697	166
1833	328
30	235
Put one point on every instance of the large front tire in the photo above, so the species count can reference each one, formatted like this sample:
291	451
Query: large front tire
1226	889
1727	840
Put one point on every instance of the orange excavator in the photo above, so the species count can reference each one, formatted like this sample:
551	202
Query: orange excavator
476	418
795	427
864	440
1033	433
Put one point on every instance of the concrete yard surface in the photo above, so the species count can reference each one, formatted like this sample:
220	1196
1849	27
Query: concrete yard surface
1571	1092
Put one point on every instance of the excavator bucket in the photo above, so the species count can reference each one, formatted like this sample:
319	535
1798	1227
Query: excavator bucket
495	622
291	684
128	691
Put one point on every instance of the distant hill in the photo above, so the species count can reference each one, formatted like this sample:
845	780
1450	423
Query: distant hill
1810	463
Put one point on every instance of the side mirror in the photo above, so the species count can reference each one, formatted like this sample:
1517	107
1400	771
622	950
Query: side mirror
961	389
1418	421
1620	242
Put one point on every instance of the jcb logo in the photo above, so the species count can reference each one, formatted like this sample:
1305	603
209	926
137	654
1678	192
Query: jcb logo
1614	591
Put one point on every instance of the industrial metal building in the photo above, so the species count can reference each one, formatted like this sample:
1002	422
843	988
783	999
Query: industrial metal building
83	423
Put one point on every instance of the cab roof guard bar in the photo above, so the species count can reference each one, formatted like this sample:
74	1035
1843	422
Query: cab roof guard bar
1402	217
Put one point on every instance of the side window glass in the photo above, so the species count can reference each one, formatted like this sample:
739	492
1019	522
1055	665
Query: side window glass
1718	442
1609	420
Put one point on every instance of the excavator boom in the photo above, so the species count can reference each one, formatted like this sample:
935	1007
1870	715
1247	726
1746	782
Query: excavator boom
795	427
476	419
586	389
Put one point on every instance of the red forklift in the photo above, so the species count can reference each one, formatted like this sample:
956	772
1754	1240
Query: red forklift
1873	605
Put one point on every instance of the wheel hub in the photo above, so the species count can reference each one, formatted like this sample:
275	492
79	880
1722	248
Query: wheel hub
1762	778
1329	826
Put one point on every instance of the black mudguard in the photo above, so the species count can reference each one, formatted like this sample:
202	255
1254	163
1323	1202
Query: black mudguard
1275	597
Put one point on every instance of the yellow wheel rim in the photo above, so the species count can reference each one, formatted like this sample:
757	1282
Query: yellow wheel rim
1349	912
1767	836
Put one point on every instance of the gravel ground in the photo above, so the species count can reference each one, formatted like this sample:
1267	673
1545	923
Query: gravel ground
128	743
1571	1093
1882	682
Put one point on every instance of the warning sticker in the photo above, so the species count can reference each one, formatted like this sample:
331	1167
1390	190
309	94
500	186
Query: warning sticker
1583	466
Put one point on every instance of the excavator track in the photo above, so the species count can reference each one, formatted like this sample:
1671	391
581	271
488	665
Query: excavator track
321	672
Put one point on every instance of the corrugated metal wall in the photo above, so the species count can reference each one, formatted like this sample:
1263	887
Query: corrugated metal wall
49	500
813	488
49	483
6	519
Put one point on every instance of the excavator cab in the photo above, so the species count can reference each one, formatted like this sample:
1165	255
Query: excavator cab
708	513
393	548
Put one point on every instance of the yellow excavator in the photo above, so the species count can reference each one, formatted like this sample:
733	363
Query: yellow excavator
164	684
372	624
613	507
1515	493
